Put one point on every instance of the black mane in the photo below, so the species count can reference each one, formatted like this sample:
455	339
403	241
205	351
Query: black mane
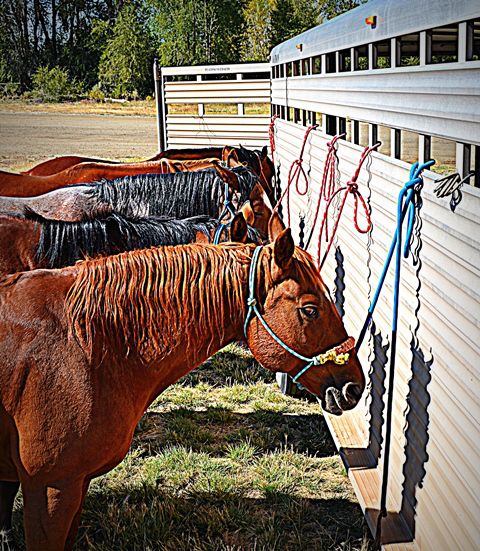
177	195
63	243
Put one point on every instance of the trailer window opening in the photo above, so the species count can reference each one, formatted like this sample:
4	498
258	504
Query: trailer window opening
382	55
360	54
317	64
305	66
363	134
473	40
180	78
384	136
408	50
331	62
408	146
444	153
296	68
331	125
288	69
345	60
442	44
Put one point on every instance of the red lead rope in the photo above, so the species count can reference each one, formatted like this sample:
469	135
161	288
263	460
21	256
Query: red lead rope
271	134
328	181
350	187
296	170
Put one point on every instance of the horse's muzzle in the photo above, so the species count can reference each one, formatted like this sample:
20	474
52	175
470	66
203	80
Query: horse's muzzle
337	401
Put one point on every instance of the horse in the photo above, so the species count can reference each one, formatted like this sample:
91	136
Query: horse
25	185
257	160
178	195
86	349
32	241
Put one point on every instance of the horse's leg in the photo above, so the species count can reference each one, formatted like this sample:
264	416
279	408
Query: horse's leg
49	513
76	519
8	491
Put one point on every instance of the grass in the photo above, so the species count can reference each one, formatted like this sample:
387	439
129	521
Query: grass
139	108
222	461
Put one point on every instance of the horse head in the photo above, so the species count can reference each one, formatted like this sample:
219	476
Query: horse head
292	324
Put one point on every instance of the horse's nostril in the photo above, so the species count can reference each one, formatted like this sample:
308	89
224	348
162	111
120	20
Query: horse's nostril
352	392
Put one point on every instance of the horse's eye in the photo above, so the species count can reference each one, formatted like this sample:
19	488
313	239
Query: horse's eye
310	312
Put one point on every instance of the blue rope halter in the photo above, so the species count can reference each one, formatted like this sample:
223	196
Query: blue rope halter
227	208
338	354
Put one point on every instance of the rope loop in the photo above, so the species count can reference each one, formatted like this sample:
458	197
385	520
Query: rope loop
296	170
351	187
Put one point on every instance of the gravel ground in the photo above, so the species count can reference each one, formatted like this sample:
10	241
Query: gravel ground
28	138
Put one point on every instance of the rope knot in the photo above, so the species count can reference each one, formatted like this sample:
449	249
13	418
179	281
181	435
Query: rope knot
252	301
352	186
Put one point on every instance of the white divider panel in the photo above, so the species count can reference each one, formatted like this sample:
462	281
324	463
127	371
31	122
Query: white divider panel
237	85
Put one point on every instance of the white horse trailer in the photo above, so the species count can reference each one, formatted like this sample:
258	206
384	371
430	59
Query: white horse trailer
406	73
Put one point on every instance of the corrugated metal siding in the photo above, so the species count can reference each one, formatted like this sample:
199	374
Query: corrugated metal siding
434	483
419	99
210	130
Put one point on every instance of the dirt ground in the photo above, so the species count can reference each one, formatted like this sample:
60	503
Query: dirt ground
28	138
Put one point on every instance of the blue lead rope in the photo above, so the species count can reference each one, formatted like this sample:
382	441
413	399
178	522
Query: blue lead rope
405	204
408	201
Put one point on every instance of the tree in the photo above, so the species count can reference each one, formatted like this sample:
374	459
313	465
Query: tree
124	68
193	32
257	37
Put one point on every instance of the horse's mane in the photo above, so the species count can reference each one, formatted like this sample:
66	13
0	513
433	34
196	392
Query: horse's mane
63	243
147	299
178	195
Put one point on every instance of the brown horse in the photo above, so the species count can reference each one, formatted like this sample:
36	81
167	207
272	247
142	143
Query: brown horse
177	195
24	185
67	166
35	242
85	350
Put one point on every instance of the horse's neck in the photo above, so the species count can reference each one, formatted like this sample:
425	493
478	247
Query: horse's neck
161	372
69	204
20	237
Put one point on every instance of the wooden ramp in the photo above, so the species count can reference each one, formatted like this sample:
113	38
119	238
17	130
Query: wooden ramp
366	478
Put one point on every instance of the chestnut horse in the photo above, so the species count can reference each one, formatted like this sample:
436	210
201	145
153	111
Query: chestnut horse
95	169
25	185
86	349
35	242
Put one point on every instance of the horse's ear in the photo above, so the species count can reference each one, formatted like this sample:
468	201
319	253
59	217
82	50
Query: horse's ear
238	229
233	156
275	226
227	176
248	213
264	152
283	249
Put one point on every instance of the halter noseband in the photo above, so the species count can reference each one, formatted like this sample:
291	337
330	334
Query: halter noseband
339	354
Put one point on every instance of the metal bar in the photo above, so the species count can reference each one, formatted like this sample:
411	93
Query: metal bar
160	105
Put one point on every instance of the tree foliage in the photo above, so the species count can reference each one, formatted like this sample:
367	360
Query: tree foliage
124	68
194	32
112	42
